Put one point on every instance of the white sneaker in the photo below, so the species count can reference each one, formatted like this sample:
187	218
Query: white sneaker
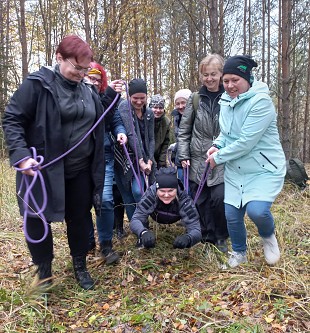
271	249
237	258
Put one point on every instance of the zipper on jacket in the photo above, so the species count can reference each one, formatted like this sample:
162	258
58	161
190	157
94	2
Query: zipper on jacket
268	160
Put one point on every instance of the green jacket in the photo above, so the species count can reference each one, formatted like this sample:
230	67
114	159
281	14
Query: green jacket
197	130
162	140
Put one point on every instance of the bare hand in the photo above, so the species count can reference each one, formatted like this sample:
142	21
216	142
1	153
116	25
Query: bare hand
211	151
117	85
122	138
210	160
185	163
28	165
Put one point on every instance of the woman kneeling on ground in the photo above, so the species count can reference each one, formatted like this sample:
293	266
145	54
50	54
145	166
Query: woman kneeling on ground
166	202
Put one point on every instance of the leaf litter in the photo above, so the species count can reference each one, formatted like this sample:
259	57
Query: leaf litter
161	290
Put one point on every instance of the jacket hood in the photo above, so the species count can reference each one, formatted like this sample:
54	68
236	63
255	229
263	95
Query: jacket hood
257	87
45	73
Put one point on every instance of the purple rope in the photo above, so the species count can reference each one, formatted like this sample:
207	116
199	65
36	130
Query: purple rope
204	178
185	177
37	173
137	176
29	195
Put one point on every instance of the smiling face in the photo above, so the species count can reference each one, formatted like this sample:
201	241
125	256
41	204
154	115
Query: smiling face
138	100
158	111
72	70
235	85
95	79
210	76
167	195
180	104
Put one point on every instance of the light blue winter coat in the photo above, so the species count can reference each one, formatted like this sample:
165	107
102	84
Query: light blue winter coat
250	147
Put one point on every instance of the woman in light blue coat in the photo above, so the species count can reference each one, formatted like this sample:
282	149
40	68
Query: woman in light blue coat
249	146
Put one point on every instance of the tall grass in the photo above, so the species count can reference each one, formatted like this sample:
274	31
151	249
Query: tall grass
161	290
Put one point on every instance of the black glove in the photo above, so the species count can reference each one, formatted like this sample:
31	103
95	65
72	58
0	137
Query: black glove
181	242
148	239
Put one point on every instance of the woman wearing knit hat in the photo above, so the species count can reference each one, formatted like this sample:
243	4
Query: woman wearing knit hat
198	127
166	202
113	126
161	130
180	100
139	124
249	147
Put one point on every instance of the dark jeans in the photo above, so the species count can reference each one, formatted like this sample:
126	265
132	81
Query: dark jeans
210	205
78	196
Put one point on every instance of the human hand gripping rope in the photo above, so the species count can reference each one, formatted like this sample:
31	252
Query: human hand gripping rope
32	169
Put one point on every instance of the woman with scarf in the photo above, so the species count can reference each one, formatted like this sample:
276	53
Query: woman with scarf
138	120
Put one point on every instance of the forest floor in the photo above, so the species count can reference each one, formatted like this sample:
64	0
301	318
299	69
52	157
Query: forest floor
160	290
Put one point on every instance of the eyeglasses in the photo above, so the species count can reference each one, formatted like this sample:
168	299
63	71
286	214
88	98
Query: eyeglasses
79	68
93	79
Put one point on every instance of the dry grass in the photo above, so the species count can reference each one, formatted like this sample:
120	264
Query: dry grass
162	290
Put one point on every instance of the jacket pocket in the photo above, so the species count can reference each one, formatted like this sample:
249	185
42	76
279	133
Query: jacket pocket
265	162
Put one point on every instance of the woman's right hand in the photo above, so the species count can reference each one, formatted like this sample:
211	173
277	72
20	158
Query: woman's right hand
211	151
185	163
28	164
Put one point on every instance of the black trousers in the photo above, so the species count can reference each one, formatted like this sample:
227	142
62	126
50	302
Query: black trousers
78	203
119	209
210	206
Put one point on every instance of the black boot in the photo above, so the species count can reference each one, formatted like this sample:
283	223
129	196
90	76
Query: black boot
44	272
81	273
108	253
120	232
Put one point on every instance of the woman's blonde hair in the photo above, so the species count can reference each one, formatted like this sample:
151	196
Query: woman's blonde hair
211	58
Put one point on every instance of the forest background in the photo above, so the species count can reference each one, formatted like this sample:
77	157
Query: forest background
164	290
163	42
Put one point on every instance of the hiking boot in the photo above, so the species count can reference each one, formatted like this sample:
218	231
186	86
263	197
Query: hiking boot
110	256
81	273
237	258
44	272
221	245
271	249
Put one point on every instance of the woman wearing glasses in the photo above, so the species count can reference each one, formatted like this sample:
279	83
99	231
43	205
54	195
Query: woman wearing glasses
97	77
51	111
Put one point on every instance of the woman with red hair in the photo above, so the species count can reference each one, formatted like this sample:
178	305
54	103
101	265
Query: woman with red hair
97	76
113	127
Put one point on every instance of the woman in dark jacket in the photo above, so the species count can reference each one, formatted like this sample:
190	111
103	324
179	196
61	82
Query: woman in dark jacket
51	111
198	127
166	202
161	130
139	124
180	100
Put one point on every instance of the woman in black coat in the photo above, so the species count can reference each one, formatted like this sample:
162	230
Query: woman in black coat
51	111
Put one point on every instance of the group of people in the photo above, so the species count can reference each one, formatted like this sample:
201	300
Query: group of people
226	161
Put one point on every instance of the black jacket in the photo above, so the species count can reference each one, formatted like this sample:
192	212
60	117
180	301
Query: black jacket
32	119
182	208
